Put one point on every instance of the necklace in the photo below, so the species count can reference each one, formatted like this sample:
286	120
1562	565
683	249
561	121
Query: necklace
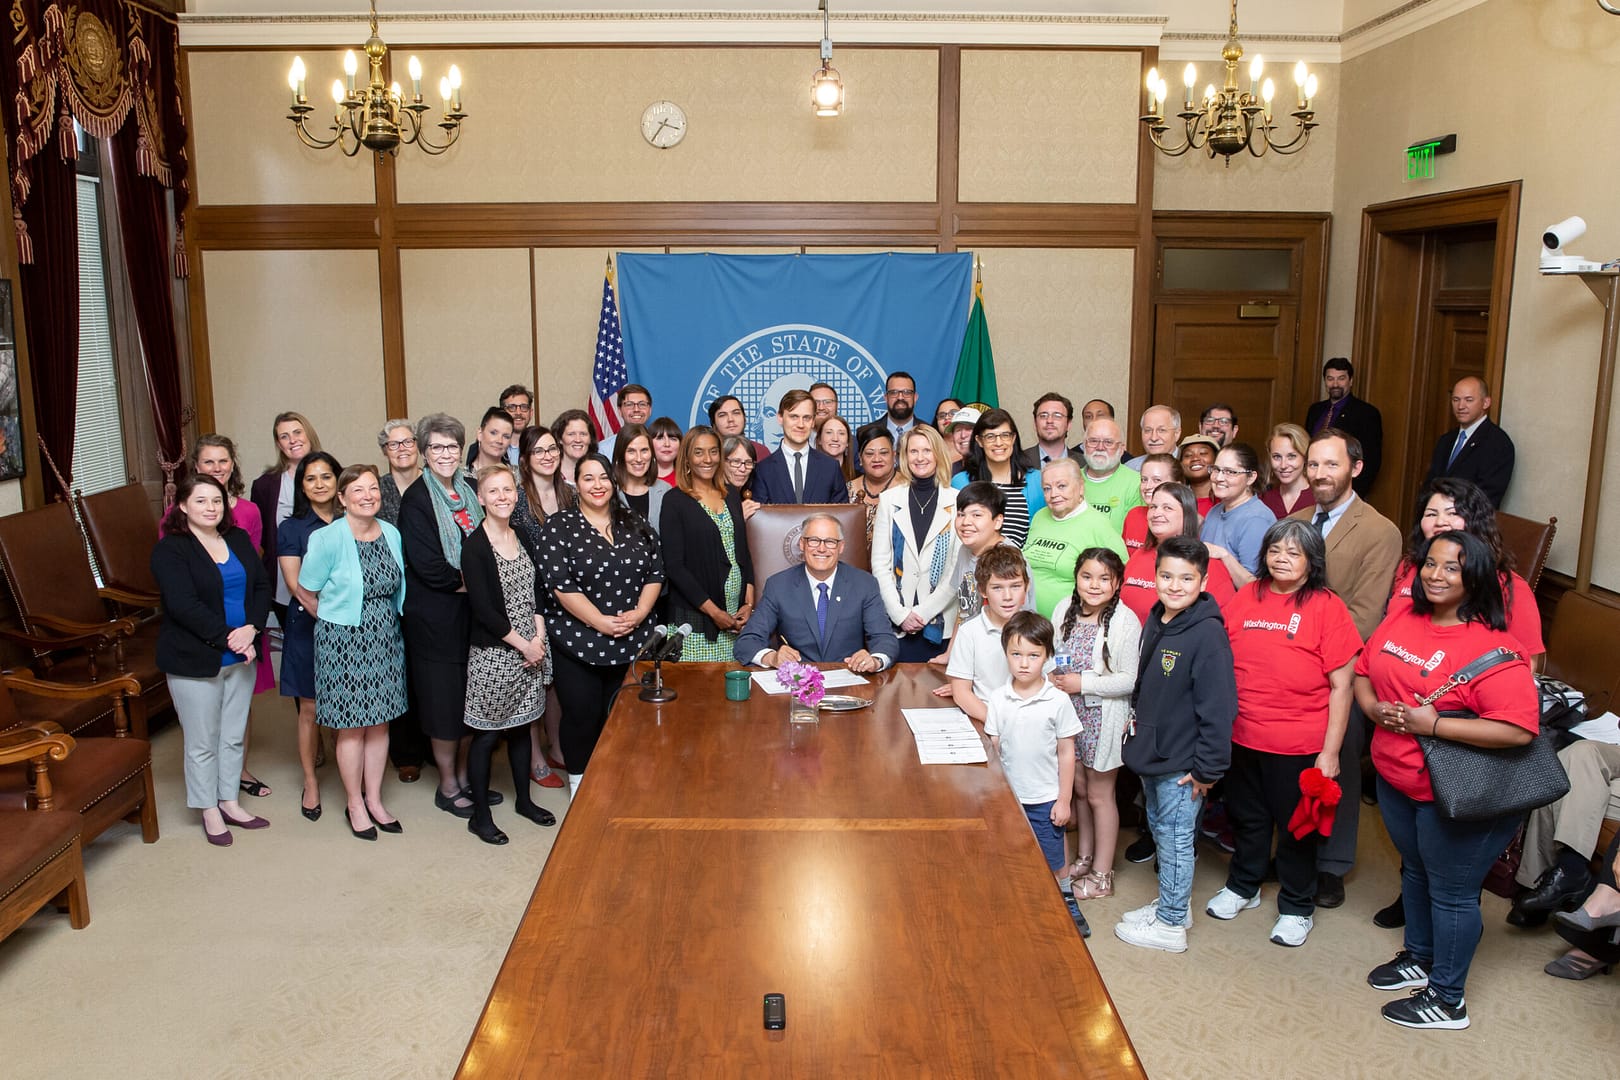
868	494
924	505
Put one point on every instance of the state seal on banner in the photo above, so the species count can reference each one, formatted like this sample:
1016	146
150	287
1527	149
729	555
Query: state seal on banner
760	367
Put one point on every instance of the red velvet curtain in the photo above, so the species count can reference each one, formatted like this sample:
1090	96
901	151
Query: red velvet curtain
50	303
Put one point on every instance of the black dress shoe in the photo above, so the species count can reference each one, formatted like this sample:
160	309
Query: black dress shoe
313	813
447	803
1329	890
1392	917
361	834
495	797
1559	889
390	826
537	814
1527	920
488	833
1141	849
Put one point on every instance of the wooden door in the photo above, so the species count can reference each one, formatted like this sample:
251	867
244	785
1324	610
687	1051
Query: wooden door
1457	350
1207	351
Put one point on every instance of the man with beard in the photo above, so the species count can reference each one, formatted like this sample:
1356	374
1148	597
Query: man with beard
1363	548
900	393
1053	415
1161	432
1220	423
1110	487
1343	410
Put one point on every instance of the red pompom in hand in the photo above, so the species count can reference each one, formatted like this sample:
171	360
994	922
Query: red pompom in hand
1319	798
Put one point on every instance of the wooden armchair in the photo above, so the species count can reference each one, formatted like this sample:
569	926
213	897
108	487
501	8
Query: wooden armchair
1530	541
41	862
100	780
773	536
122	534
63	616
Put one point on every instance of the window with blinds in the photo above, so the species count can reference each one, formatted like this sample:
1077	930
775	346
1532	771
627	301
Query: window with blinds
98	440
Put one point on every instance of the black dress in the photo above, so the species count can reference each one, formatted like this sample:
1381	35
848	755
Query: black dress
435	618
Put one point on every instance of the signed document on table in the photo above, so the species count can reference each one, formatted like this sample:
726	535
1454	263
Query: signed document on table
945	737
831	680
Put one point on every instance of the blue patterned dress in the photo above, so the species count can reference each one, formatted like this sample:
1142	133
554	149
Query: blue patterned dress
360	670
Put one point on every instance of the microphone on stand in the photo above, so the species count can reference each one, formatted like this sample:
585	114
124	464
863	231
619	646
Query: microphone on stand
676	640
665	643
660	638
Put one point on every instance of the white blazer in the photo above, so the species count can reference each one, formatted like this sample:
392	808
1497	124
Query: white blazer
909	591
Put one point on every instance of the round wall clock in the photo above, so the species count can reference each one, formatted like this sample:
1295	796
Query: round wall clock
663	124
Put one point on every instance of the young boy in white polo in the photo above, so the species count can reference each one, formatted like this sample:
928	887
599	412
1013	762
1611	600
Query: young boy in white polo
1032	725
978	663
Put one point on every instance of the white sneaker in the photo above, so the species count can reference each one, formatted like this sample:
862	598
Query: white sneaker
1148	913
1153	935
1226	904
1291	930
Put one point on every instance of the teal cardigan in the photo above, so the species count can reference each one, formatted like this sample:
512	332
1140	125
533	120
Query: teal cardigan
331	569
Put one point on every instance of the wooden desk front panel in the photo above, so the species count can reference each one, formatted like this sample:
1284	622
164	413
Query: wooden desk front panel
717	853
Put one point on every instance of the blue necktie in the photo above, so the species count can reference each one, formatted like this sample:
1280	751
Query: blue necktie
821	612
1462	441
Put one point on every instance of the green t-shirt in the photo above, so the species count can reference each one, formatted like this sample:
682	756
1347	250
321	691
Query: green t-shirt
1053	546
1116	495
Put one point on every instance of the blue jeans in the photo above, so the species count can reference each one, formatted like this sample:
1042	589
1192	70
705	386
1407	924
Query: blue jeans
1049	836
1443	865
1172	813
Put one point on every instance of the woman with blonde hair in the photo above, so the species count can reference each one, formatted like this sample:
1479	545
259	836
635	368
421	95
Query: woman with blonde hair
273	493
1290	487
914	547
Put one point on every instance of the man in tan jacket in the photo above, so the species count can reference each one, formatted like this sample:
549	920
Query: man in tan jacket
1363	548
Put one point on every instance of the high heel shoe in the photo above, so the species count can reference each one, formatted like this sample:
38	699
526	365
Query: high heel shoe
313	813
393	827
537	814
360	834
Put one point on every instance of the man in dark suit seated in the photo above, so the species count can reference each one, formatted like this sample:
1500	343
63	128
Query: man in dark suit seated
1478	450
797	472
1345	412
825	611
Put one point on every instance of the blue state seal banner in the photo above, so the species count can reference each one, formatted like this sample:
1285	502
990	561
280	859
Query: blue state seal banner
699	327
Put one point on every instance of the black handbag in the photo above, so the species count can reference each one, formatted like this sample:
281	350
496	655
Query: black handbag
1473	783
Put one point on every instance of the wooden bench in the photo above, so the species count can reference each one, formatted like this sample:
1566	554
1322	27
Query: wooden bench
1581	652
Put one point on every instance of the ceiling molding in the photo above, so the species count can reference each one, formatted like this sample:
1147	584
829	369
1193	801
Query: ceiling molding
1311	48
655	27
1397	23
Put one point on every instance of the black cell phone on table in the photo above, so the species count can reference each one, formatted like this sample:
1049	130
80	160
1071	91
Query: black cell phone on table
775	1012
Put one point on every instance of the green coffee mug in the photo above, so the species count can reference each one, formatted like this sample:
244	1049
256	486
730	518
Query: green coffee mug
739	684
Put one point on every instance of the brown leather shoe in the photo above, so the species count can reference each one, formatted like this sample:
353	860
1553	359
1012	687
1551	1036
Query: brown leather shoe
410	774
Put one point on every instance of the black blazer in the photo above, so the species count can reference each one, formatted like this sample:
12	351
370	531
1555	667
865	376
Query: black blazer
486	600
1486	459
266	494
1366	423
823	479
695	563
436	625
191	640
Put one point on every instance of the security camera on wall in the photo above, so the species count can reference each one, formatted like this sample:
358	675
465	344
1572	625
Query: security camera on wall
1553	259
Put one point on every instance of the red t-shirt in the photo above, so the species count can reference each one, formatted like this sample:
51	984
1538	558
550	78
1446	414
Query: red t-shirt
1141	591
1523	615
1408	655
1136	530
1206	505
1282	655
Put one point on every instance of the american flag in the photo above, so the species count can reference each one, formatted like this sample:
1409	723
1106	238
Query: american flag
608	376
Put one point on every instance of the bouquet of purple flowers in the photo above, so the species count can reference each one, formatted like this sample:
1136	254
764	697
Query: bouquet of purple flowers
806	684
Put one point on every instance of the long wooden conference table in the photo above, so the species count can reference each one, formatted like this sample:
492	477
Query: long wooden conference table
716	853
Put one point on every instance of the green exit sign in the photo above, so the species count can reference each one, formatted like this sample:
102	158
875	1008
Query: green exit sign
1420	156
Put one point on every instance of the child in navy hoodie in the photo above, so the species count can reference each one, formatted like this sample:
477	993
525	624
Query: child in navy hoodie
1180	743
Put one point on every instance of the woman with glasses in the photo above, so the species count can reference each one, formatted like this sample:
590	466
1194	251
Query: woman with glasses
1235	527
997	455
603	569
635	472
738	453
540	494
878	473
711	572
435	517
944	413
407	746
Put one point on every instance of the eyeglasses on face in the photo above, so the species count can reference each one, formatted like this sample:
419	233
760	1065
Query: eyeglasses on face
1051	416
393	446
546	451
443	449
900	393
826	542
997	437
1222	470
1219	421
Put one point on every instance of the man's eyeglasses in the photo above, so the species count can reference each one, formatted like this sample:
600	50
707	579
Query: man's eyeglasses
1219	421
900	393
1102	444
1051	416
822	542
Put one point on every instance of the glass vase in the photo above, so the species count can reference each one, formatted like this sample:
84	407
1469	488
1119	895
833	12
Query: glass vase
801	713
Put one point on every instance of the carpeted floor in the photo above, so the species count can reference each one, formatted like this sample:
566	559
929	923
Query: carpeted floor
302	952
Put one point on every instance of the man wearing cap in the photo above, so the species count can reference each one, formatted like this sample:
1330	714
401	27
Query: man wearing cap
1053	415
959	435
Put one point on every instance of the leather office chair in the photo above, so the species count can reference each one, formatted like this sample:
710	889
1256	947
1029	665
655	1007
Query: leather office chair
773	537
122	533
1530	541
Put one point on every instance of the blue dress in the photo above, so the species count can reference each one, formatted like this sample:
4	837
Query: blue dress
298	634
361	678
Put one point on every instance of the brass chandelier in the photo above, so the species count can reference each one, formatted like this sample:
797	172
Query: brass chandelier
1228	120
377	116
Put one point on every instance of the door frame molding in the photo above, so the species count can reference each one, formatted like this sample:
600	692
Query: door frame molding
1306	234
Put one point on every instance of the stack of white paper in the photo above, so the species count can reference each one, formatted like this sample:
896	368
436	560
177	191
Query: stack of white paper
831	680
945	736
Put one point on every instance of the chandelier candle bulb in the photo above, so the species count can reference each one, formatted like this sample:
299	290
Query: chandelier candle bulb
1256	66
1189	76
455	88
415	68
350	66
444	92
1310	90
295	80
337	91
1300	75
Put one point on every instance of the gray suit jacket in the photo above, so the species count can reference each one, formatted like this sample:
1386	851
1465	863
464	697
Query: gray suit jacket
856	618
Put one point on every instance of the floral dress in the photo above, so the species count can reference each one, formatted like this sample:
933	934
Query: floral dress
697	647
1080	645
